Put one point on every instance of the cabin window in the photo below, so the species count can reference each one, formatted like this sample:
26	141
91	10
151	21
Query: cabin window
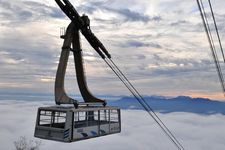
114	118
54	119
92	118
95	118
85	118
104	116
45	118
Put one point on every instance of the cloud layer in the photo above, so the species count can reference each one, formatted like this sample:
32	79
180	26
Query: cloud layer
138	130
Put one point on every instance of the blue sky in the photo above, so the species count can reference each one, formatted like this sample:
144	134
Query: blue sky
159	44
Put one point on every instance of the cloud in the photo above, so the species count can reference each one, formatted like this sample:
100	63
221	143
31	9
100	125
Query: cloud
18	12
130	15
104	7
140	131
44	9
137	44
155	43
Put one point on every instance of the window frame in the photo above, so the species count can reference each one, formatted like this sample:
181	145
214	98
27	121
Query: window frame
55	118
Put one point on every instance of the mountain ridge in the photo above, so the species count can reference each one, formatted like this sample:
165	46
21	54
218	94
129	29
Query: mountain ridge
160	104
176	104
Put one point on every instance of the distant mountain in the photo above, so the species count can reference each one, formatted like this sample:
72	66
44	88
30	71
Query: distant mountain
158	103
177	104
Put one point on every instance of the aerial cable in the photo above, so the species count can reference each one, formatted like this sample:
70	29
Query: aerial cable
121	79
217	32
143	103
149	107
210	33
211	43
215	56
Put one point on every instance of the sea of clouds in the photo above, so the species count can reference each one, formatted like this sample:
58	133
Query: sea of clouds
139	132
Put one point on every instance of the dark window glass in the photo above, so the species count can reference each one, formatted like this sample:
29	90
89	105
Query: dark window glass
54	119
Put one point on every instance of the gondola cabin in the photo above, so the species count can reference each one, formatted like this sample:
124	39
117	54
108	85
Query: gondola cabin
69	124
79	121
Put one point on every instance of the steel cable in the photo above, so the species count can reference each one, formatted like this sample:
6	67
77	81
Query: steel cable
211	42
217	32
214	48
143	103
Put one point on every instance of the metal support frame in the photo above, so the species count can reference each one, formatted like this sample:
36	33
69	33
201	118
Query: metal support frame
72	38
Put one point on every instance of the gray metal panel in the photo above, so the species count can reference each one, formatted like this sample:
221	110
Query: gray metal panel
82	108
60	95
66	134
72	38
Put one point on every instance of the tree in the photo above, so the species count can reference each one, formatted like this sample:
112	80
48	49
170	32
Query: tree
24	144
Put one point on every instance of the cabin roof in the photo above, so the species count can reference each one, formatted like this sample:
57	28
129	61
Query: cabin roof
80	108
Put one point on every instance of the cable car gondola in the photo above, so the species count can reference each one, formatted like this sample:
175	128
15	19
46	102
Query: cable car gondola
68	124
76	120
